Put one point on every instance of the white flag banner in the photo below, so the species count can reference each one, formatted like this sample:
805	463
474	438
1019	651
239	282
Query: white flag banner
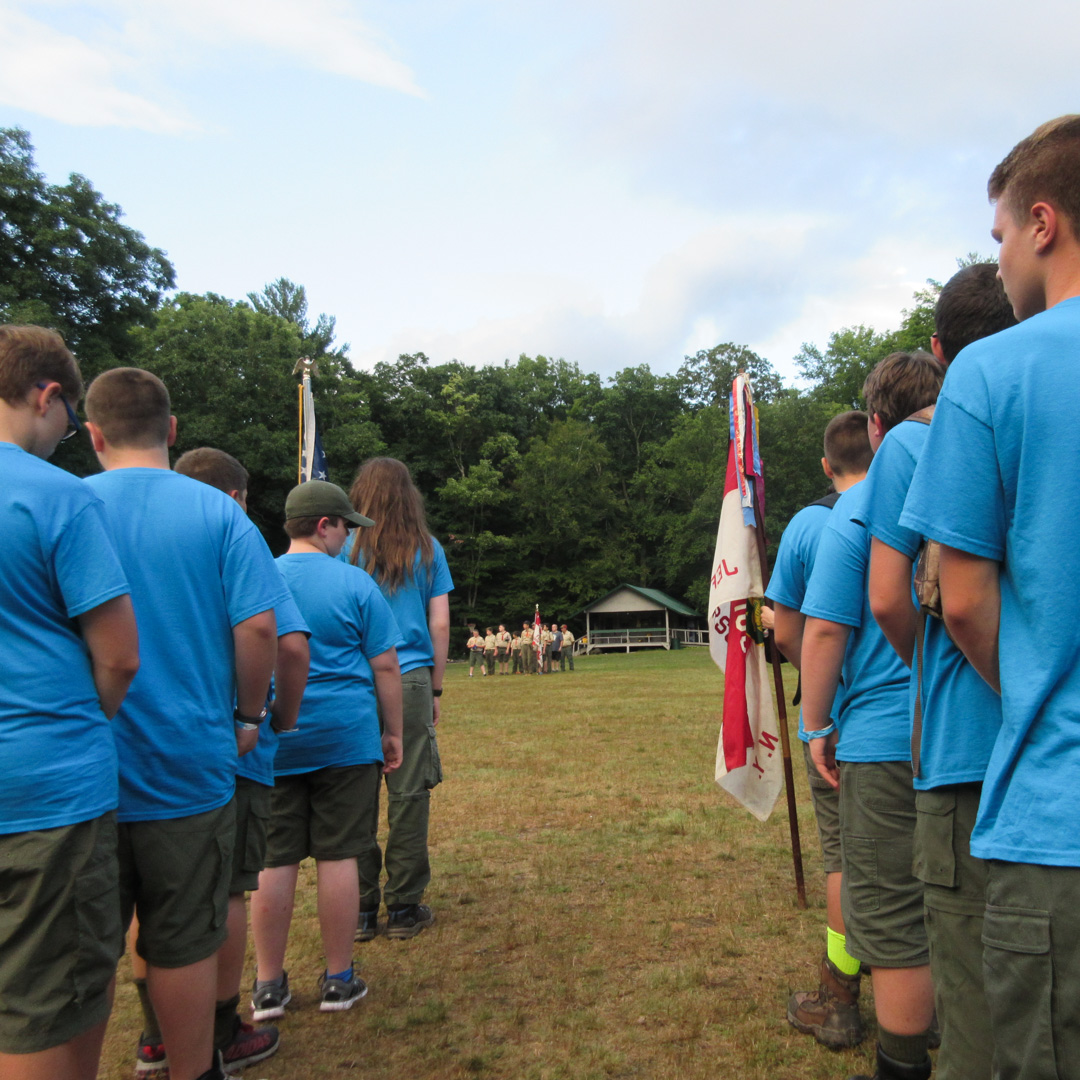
749	762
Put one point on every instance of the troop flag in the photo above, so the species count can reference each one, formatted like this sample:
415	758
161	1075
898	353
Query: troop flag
749	760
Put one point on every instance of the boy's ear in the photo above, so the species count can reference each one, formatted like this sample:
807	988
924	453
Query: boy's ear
879	427
937	350
1045	226
826	468
97	440
172	431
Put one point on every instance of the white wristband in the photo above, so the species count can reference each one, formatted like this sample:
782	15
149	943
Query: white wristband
822	733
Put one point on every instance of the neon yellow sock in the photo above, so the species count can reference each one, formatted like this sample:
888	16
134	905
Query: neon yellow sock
841	959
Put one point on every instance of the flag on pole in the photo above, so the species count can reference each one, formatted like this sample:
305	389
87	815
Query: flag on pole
749	762
538	632
312	458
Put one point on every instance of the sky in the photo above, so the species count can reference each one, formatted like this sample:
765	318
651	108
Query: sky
613	182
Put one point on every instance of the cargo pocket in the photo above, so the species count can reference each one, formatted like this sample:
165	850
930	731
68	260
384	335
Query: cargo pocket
254	854
434	766
1018	967
934	862
100	934
861	873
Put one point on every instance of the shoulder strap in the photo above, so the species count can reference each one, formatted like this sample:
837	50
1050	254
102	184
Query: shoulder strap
923	416
828	501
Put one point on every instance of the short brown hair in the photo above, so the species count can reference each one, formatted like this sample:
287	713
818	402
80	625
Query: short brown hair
213	467
32	354
130	407
972	305
1043	167
901	384
847	444
302	527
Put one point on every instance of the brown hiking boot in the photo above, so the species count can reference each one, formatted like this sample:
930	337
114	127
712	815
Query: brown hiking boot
831	1012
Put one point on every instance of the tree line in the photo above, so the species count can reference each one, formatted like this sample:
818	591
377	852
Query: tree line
545	483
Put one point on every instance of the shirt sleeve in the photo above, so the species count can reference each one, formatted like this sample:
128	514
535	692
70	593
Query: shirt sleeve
380	627
887	486
837	585
787	585
957	496
251	580
85	564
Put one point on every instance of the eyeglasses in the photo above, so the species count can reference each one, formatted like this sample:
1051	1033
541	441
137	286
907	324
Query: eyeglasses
74	427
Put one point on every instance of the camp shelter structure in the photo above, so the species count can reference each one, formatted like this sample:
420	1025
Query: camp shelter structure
632	617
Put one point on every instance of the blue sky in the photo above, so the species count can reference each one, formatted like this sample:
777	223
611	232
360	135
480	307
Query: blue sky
610	181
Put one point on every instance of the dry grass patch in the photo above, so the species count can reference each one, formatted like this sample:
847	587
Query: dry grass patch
604	909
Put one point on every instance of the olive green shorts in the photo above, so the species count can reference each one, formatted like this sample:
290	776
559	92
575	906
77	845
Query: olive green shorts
327	814
175	873
60	933
252	818
881	898
826	800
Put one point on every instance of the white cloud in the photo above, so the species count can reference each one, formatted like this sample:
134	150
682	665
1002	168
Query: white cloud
113	72
63	78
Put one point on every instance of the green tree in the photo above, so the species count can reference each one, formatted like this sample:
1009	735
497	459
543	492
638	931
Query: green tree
706	377
69	262
288	300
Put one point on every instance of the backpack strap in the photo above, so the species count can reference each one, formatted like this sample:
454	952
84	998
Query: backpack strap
916	724
828	501
923	416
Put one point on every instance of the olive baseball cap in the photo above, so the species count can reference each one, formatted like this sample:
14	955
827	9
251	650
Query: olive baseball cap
318	498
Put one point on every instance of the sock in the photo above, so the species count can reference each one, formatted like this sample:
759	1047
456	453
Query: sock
260	983
907	1049
837	952
342	976
151	1031
226	1021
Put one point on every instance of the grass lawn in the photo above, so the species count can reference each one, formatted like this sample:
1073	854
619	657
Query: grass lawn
604	909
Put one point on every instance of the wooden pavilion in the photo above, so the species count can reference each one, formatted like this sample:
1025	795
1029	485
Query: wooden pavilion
632	617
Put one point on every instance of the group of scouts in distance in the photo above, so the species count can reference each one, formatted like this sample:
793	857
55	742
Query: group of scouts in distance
517	654
930	604
142	618
184	719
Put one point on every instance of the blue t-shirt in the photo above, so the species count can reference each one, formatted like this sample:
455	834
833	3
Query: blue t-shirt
410	602
873	716
794	565
57	758
961	714
350	622
197	567
998	480
258	764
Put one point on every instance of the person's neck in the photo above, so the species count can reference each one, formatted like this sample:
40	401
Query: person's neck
842	483
17	426
307	545
127	457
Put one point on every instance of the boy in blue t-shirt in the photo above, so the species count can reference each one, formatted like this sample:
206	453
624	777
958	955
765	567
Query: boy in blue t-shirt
997	484
830	1013
881	899
203	585
327	772
70	651
959	715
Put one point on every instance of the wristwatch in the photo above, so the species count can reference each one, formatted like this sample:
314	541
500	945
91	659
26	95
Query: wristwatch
249	723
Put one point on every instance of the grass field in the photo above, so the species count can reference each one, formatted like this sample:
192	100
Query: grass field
604	909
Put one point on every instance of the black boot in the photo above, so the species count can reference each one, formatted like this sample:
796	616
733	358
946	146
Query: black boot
890	1069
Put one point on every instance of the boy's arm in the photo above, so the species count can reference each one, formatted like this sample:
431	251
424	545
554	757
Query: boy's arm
290	678
387	675
255	651
438	615
822	657
971	604
890	597
112	639
788	632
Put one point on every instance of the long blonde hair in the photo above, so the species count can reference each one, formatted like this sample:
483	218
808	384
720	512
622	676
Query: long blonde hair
384	491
